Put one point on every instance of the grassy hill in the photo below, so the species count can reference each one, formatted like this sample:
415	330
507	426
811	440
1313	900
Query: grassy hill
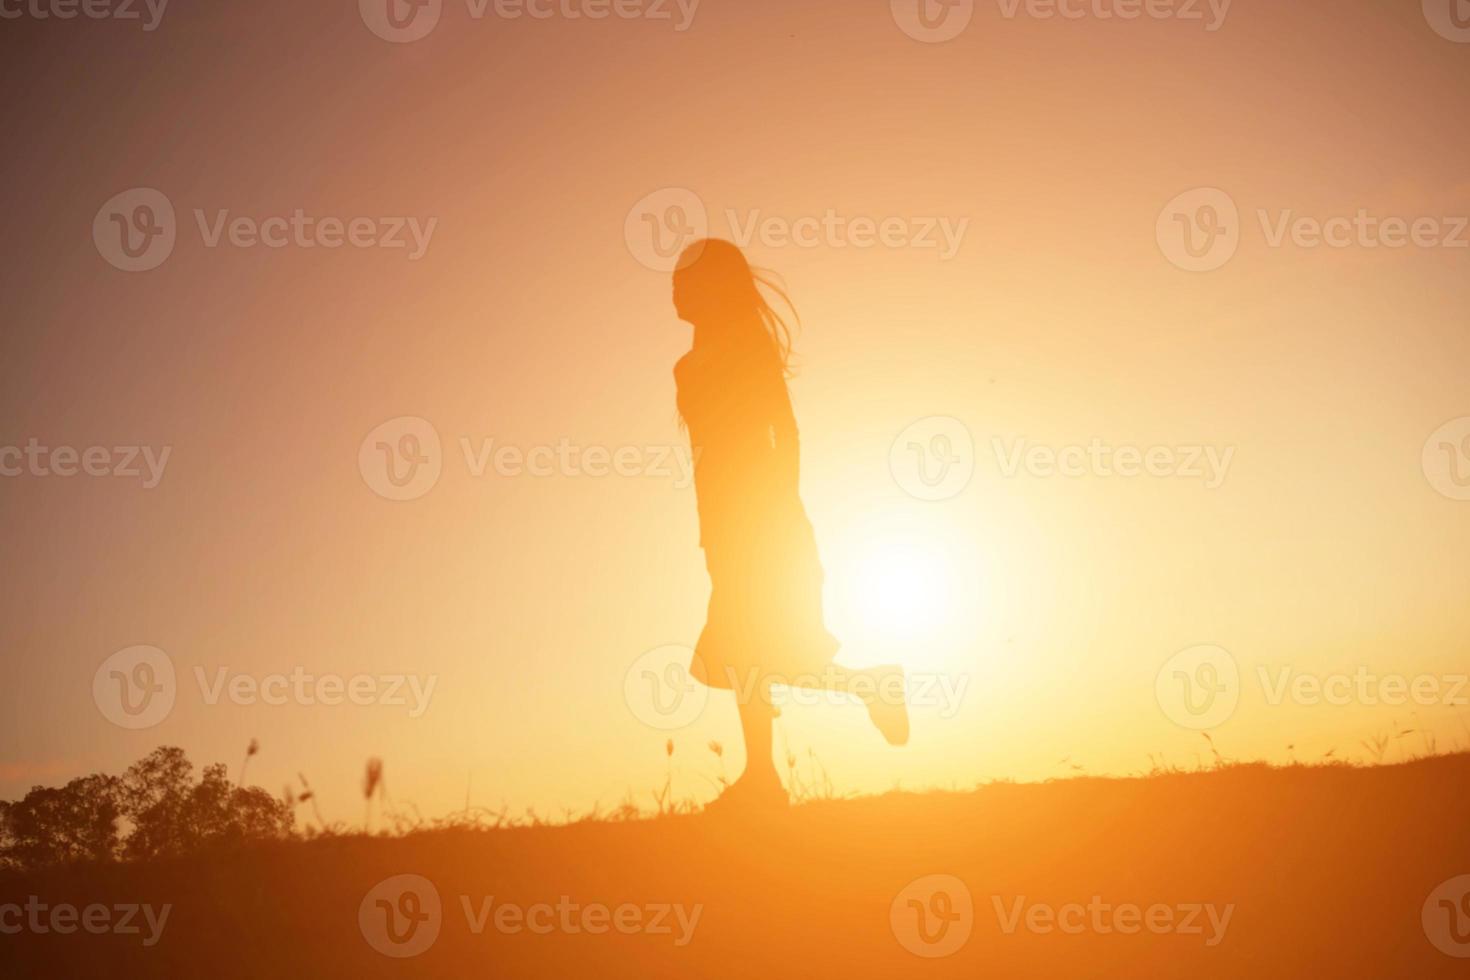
1243	871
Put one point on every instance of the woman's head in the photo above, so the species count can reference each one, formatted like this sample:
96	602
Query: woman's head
716	289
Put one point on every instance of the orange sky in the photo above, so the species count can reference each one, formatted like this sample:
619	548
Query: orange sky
1048	148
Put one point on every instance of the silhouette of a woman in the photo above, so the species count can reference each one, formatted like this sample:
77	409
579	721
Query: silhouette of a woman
764	624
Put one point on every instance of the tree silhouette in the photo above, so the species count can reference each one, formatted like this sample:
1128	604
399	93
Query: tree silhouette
77	822
166	812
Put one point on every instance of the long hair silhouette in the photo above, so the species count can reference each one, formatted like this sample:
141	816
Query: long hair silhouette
714	283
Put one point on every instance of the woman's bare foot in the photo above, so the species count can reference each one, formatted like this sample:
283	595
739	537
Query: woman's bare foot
887	707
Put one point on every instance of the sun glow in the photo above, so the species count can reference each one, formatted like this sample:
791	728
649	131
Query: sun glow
904	591
902	588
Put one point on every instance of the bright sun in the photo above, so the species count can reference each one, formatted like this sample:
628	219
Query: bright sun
902	587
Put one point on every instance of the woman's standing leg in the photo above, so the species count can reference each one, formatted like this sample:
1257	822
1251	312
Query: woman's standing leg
757	719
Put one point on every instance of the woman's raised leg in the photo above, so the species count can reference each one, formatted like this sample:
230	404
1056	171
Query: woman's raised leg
881	689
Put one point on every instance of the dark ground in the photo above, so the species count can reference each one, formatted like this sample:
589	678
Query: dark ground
1328	871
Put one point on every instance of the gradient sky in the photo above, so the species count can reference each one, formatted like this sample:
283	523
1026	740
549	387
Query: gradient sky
1053	602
